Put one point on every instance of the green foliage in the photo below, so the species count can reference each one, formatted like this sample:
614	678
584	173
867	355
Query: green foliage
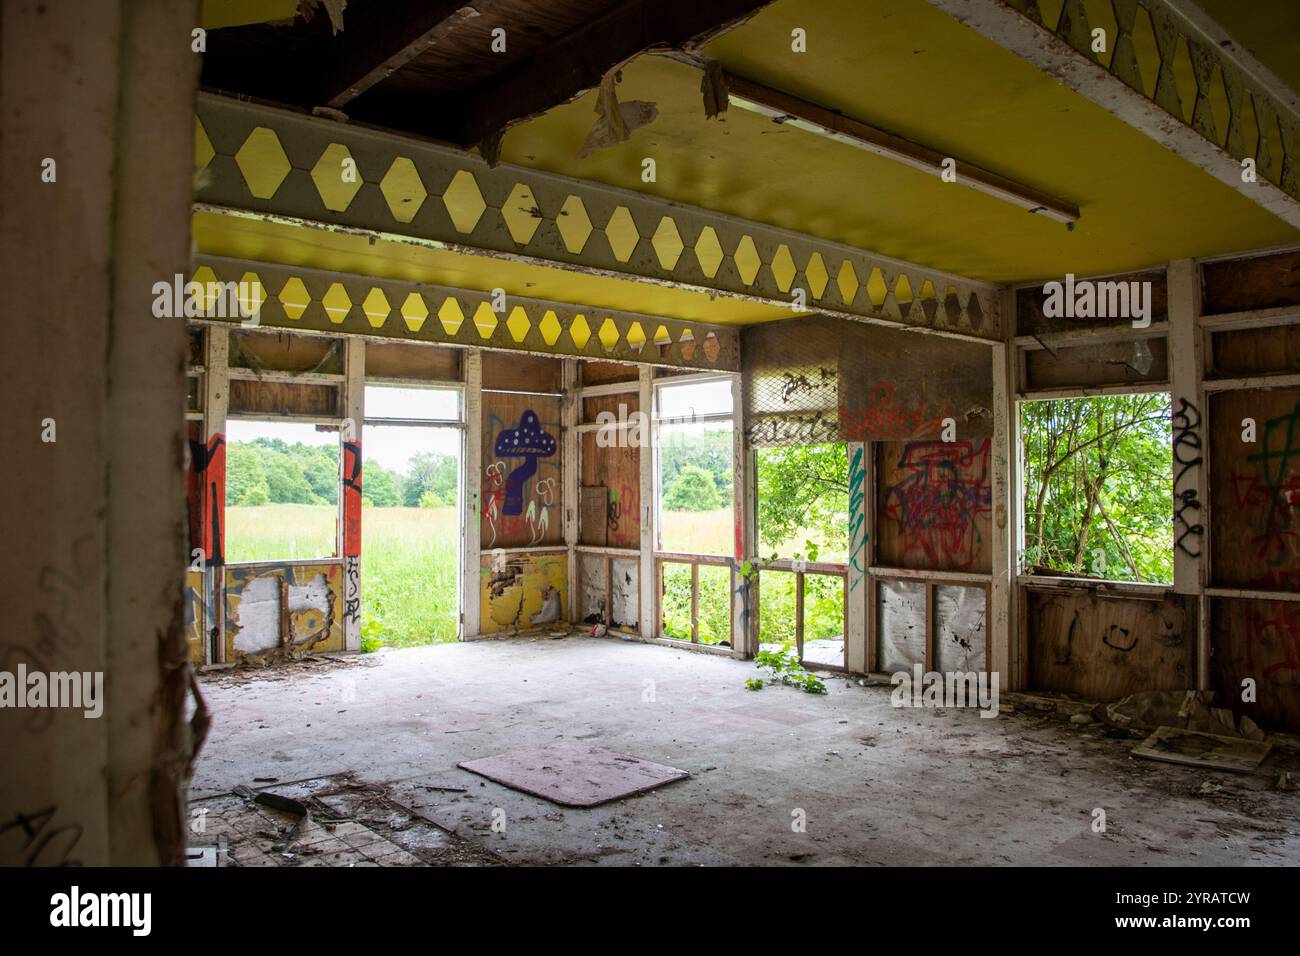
694	489
379	486
755	683
714	604
430	473
803	501
1098	486
709	449
783	667
271	471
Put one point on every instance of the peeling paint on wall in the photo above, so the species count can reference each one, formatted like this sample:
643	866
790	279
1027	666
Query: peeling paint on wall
515	597
283	610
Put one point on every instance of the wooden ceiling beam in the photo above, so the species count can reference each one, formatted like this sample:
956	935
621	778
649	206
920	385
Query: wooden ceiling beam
576	63
379	39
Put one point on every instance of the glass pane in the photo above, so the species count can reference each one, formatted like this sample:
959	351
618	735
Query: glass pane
409	530
715	604
823	619
696	514
803	503
676	602
695	398
384	401
282	491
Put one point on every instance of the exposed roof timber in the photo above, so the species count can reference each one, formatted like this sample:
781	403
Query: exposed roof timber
799	113
1189	130
467	206
378	39
658	340
577	63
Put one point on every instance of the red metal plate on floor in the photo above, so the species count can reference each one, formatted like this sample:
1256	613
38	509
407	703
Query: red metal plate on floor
574	775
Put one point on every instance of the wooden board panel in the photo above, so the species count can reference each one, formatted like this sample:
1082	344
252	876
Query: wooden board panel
1242	352
1110	363
521	484
620	406
1104	648
1258	640
1262	282
619	471
284	352
280	610
1029	306
1255	489
412	362
935	504
605	373
901	625
519	372
283	398
593	515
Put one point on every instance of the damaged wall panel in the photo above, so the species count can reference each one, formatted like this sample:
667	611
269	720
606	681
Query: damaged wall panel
1151	288
1259	640
283	609
960	629
1137	361
412	362
284	352
522	484
608	461
197	616
935	505
901	625
1255	489
1260	282
1104	648
524	592
272	399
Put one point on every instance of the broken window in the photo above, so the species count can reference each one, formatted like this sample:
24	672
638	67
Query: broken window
695	492
1098	487
282	490
803	502
410	527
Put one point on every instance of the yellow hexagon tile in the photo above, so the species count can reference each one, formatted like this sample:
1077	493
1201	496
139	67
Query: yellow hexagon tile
207	288
485	320
902	290
403	189
608	335
621	233
336	177
816	274
783	268
336	303
574	224
747	260
375	307
464	201
667	243
294	298
550	327
662	337
521	214
635	337
708	251
262	162
451	315
518	323
580	331
414	311
847	281
203	151
877	288
251	294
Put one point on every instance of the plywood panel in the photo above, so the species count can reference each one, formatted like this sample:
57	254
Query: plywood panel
1104	648
266	620
934	505
1110	363
283	398
412	362
1030	301
605	373
521	485
284	352
960	632
1259	640
1255	489
618	470
520	372
901	625
1242	352
1262	282
524	593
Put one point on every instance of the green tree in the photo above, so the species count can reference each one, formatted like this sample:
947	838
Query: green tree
803	499
430	472
1098	486
379	486
245	476
709	449
694	489
322	474
286	481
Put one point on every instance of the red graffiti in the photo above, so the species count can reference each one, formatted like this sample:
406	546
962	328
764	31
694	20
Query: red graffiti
206	494
1281	629
886	417
945	489
351	499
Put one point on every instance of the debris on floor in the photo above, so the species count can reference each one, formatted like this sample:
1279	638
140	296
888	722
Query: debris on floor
574	775
328	821
1197	749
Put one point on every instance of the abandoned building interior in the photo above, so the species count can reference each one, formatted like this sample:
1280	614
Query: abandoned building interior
476	383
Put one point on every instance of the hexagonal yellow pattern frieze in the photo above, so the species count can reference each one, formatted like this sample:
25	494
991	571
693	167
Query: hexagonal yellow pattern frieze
336	177
667	243
414	311
464	201
336	303
621	233
375	307
574	224
403	189
294	298
521	215
262	162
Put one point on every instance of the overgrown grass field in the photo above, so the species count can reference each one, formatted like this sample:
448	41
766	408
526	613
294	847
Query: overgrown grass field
408	562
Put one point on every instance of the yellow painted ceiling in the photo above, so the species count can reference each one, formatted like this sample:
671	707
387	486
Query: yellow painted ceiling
252	238
232	13
909	68
1269	29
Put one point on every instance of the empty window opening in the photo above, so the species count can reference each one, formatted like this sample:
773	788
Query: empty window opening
282	491
1098	487
695	602
804	613
695	490
410	525
803	503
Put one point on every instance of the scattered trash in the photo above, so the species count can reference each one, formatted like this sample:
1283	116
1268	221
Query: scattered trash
1194	748
1080	720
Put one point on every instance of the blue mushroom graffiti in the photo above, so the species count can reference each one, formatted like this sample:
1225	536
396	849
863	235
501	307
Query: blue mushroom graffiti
521	486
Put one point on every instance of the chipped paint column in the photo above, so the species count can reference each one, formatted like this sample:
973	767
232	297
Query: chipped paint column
1005	513
743	643
212	487
649	534
471	480
1190	427
570	416
855	584
354	416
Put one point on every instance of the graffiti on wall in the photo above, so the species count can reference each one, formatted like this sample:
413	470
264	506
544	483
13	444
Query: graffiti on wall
523	593
1187	462
886	416
1267	494
207	494
283	610
942	491
1276	630
857	519
519	494
351	466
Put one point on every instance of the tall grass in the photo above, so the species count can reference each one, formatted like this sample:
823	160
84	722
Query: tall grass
408	562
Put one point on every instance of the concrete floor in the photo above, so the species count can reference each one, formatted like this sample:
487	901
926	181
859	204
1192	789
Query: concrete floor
879	785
